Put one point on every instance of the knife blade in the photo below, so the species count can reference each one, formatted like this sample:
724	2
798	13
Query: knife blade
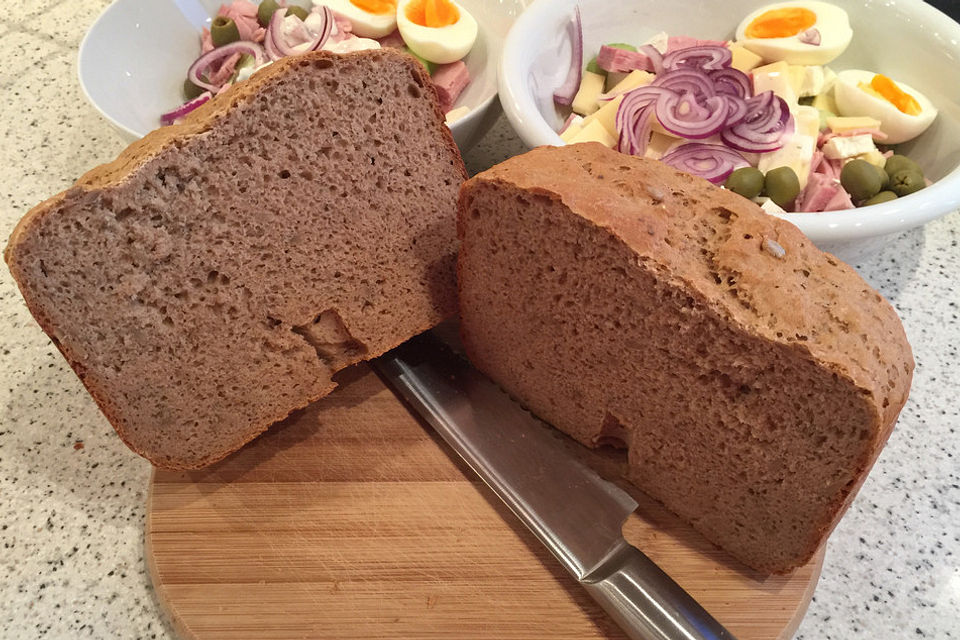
576	514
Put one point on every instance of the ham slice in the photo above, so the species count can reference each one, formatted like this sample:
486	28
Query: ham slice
393	40
622	61
244	14
450	80
822	193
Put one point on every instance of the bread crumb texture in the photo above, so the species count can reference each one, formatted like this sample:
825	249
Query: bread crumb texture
751	378
213	278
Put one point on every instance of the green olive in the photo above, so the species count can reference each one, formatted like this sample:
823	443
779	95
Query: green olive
897	163
223	31
884	177
883	196
906	181
593	67
860	179
265	12
746	181
300	12
782	185
190	90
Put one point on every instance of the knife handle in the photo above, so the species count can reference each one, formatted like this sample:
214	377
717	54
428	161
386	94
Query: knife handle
646	603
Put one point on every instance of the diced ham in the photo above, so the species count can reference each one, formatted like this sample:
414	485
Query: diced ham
206	41
393	40
822	192
685	42
450	80
244	14
622	61
227	67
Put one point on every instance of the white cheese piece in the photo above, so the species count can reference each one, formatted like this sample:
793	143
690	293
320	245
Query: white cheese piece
769	206
775	77
455	114
812	81
847	147
659	41
797	150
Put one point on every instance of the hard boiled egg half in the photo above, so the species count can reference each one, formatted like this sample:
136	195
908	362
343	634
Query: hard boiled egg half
903	112
807	33
439	31
370	18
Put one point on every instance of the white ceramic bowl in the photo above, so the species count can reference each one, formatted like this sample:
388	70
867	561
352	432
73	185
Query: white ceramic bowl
134	59
906	39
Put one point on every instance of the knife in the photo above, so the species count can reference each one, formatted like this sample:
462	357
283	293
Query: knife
574	512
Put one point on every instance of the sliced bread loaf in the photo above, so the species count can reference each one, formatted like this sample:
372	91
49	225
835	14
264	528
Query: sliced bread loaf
752	378
216	275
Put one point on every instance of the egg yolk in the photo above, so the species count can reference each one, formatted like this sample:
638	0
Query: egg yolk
432	13
883	87
781	23
377	7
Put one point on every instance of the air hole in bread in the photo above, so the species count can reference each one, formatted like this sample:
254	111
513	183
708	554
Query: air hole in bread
414	90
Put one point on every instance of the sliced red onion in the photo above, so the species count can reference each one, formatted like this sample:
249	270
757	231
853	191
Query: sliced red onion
810	36
202	64
699	57
172	116
634	118
683	116
732	81
736	110
762	129
711	161
692	80
656	58
279	43
568	90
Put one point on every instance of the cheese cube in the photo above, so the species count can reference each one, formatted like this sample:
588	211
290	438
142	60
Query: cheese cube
744	59
811	82
775	77
875	157
797	150
593	131
825	102
659	145
575	126
591	86
795	73
606	115
842	125
847	147
633	80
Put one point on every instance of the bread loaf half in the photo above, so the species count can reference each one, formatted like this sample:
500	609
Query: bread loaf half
752	378
216	275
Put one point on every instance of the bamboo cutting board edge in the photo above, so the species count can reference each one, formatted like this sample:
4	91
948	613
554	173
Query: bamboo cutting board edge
650	526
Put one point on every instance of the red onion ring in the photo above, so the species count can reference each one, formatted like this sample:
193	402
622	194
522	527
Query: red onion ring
762	129
568	90
656	58
732	82
810	36
699	57
275	32
682	116
736	110
172	116
634	118
692	80
207	60
711	161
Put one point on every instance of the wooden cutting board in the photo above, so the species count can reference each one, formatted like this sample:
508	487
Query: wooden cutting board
353	520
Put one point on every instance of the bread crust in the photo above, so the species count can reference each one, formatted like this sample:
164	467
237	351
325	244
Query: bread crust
115	174
806	302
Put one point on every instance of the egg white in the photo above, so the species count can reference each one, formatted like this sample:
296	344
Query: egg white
832	23
853	101
438	44
365	24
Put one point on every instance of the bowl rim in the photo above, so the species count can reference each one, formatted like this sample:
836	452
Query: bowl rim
834	226
467	121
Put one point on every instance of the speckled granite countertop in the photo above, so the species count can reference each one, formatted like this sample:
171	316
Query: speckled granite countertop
72	495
